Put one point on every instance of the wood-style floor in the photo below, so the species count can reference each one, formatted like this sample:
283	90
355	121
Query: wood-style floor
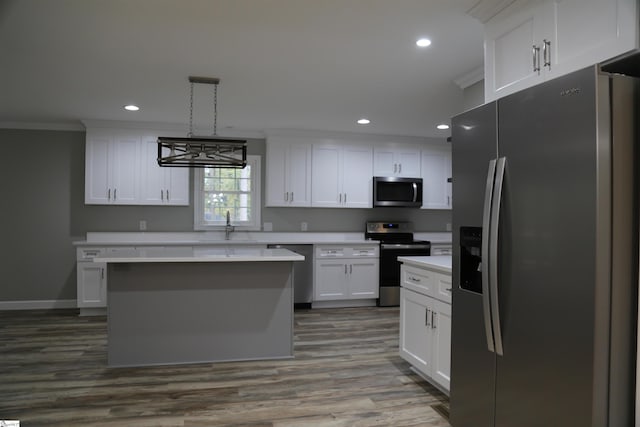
346	372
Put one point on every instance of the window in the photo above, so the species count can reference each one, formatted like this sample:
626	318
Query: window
221	190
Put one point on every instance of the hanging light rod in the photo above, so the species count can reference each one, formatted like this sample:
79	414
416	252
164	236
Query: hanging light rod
202	151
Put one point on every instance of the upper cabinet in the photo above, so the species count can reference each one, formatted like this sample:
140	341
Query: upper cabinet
533	41
111	167
121	169
436	177
341	176
396	160
161	185
288	172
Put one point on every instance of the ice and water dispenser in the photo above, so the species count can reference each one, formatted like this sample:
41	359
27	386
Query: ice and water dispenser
471	259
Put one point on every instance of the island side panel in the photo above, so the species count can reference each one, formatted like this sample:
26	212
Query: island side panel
172	313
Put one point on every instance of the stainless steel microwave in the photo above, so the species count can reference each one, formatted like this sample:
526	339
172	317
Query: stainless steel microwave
397	192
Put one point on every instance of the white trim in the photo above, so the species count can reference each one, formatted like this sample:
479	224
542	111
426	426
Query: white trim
472	77
172	127
314	135
484	10
38	304
43	126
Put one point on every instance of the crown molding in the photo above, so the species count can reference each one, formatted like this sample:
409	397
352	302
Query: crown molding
484	10
472	77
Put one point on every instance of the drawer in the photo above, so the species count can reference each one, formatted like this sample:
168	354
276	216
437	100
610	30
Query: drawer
442	286
365	251
417	280
441	251
87	254
330	252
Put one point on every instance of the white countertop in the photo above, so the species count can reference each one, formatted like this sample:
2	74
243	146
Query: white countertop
172	254
440	263
238	238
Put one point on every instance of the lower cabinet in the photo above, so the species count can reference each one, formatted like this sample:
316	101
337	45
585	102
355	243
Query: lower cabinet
92	284
425	335
346	273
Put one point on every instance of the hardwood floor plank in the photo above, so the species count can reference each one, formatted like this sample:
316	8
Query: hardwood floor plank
346	372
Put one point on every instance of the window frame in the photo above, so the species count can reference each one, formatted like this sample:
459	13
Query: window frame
199	222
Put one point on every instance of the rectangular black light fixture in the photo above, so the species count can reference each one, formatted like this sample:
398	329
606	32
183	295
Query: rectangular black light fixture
202	152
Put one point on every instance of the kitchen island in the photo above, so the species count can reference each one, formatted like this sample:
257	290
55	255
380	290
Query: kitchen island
190	305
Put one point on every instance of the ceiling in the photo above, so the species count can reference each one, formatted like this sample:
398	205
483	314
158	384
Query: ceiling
283	64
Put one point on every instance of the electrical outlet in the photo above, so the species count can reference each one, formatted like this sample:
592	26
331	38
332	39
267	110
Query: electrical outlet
143	225
304	226
267	226
448	226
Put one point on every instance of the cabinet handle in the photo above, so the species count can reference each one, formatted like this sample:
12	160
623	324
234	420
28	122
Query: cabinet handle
340	198
102	273
448	200
109	194
115	194
162	195
448	289
345	198
536	59
414	279
286	196
350	268
345	269
167	190
433	319
395	168
292	196
426	318
399	167
546	53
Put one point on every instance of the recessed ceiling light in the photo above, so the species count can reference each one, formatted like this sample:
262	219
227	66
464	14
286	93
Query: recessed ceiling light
131	107
423	42
443	126
364	121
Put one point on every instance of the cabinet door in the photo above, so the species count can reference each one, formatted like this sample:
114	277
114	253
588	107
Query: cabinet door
357	177
408	162
384	161
509	57
276	174
415	330
363	278
152	184
326	185
441	355
330	280
298	177
176	186
96	186
586	32
124	169
91	284
436	171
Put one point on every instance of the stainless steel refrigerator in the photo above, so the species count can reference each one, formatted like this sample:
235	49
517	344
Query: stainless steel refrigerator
545	256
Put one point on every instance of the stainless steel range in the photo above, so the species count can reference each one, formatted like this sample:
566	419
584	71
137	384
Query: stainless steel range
396	239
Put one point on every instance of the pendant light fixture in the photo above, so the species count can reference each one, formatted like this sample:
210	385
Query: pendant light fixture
202	151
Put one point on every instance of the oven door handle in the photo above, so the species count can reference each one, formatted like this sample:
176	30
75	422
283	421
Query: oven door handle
403	246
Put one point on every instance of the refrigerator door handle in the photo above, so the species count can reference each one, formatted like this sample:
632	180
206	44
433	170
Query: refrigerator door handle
486	226
493	255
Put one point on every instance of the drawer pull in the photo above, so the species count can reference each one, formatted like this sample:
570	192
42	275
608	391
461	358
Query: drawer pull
414	279
448	289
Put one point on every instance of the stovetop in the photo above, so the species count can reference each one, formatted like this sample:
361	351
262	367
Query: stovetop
391	232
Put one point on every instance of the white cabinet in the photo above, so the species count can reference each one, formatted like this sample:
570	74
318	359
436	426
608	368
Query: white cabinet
111	166
91	279
288	173
436	178
121	168
341	176
441	249
396	160
425	335
161	185
425	322
346	272
530	42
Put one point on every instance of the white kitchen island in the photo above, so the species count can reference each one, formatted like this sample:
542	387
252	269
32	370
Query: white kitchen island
190	305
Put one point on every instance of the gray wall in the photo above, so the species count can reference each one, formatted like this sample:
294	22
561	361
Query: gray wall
43	212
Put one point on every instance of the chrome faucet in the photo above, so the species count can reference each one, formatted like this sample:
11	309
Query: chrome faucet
228	228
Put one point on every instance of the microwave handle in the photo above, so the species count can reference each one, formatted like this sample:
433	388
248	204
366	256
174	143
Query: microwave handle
415	192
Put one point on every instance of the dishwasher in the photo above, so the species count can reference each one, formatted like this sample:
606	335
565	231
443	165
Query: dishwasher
302	274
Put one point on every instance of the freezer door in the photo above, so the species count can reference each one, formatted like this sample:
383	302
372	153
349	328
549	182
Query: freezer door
474	145
548	253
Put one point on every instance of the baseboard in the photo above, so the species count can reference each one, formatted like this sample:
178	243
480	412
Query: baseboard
344	303
38	304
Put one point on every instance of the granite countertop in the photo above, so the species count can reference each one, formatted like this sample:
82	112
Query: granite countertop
441	263
173	254
237	238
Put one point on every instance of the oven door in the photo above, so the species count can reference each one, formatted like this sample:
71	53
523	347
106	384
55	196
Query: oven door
390	268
